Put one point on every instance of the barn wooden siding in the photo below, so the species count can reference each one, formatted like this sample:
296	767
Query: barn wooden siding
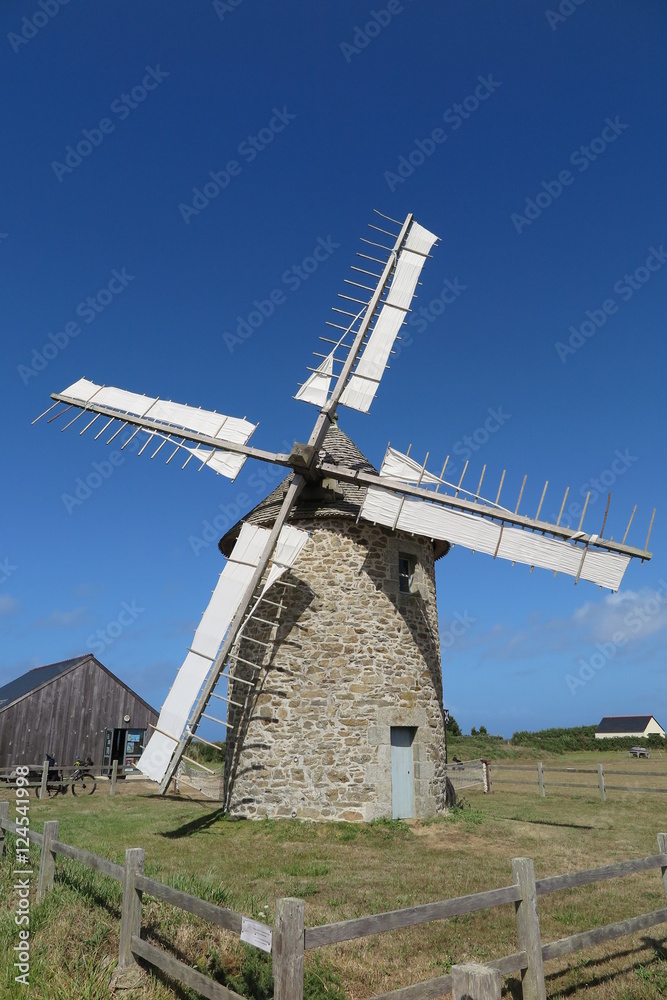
68	715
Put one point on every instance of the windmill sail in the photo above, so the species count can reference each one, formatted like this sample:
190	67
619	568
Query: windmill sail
316	388
349	374
209	635
459	527
163	418
381	319
360	389
396	465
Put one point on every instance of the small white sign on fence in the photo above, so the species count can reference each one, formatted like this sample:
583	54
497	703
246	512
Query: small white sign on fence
259	935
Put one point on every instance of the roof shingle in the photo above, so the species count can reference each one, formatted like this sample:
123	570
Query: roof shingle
317	500
624	724
34	678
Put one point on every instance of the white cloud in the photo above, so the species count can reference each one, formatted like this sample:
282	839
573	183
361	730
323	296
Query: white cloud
630	612
63	619
8	605
640	615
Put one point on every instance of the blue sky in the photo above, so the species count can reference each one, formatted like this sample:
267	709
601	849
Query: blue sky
530	137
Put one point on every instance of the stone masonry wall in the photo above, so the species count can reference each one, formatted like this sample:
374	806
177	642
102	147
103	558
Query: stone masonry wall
349	657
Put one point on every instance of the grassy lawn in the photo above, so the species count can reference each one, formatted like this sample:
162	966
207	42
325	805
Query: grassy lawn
344	870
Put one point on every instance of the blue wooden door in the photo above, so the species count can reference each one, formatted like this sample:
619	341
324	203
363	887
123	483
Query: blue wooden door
402	783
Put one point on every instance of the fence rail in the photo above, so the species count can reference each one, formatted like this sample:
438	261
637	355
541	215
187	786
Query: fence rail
346	930
135	883
465	774
184	901
38	775
540	771
290	938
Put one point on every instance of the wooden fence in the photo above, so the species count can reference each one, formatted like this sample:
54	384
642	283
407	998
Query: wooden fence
289	938
465	774
40	773
539	770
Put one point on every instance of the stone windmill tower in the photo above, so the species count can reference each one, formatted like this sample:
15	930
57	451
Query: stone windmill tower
319	645
345	720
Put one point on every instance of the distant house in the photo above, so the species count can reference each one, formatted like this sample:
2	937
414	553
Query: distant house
636	726
73	707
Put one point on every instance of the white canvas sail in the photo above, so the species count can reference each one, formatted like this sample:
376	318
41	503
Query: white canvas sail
174	417
210	633
419	517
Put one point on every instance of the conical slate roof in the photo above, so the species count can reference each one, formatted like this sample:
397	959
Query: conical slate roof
324	499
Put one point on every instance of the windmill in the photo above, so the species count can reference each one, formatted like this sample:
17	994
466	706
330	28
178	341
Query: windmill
320	639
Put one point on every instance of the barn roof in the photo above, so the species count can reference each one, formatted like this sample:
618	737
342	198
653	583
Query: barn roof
34	678
624	724
325	499
38	676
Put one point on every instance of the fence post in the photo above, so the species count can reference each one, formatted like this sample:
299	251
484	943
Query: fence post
528	930
662	847
114	775
45	776
4	815
540	777
475	982
47	862
288	948
486	781
603	791
130	918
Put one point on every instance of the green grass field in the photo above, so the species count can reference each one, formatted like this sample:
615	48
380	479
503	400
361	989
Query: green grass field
344	870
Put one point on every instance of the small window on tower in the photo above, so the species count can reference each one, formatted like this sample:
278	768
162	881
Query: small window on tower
406	573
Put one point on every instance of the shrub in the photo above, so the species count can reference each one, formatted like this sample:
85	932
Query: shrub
559	740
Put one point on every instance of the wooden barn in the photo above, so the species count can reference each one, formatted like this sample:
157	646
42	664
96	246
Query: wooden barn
73	707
